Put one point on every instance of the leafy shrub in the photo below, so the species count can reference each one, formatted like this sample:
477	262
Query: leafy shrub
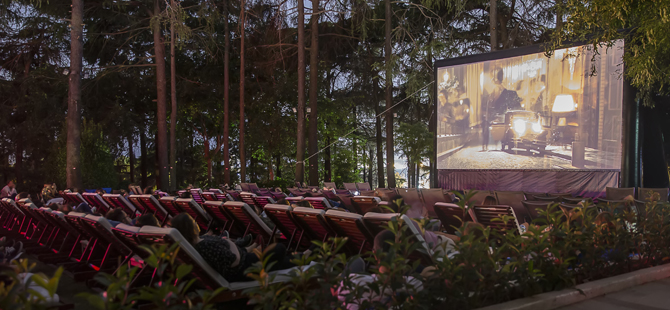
560	249
17	293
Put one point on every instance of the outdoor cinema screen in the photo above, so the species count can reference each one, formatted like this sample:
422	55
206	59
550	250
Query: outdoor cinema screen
532	111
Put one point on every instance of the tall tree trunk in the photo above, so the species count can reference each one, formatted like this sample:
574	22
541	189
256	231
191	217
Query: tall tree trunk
131	159
143	155
300	153
390	169
173	115
327	166
73	161
161	115
208	159
559	15
226	86
370	167
313	94
380	154
243	160
278	163
493	20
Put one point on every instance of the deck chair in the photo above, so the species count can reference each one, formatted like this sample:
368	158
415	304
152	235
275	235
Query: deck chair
359	238
319	203
151	205
261	201
281	216
170	206
431	196
295	201
534	207
478	198
377	222
313	223
94	200
101	230
244	216
643	193
128	235
531	195
514	200
209	196
330	185
615	193
14	215
75	198
453	216
245	187
486	214
351	187
363	186
412	198
346	201
196	194
118	201
363	204
136	190
207	276
189	206
220	216
234	195
386	193
220	195
248	198
546	199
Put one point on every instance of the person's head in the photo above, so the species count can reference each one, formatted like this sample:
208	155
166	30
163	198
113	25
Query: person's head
187	226
149	190
382	244
100	191
65	207
498	75
147	220
119	216
189	187
53	206
22	195
11	184
185	194
375	209
489	201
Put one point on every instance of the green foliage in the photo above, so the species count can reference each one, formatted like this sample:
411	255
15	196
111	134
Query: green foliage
172	286
16	293
643	25
561	248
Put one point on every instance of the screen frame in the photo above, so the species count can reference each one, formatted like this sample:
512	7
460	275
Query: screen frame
509	53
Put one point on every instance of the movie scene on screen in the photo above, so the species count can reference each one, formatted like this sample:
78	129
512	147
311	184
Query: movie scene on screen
533	112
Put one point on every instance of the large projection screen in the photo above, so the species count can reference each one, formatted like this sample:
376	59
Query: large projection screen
532	112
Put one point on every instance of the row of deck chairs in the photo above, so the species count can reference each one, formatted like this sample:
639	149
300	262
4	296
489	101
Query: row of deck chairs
57	239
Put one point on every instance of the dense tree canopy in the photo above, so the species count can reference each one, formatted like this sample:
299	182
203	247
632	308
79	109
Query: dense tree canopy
119	91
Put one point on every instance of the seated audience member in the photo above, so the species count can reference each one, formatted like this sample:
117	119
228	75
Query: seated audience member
148	190
117	216
356	268
185	194
223	255
147	220
53	206
65	207
22	195
100	191
83	208
9	191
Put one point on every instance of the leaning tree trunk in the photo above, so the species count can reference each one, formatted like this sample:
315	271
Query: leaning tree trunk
493	21
173	115
143	156
380	154
226	85
313	94
161	115
73	161
243	160
300	153
390	169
